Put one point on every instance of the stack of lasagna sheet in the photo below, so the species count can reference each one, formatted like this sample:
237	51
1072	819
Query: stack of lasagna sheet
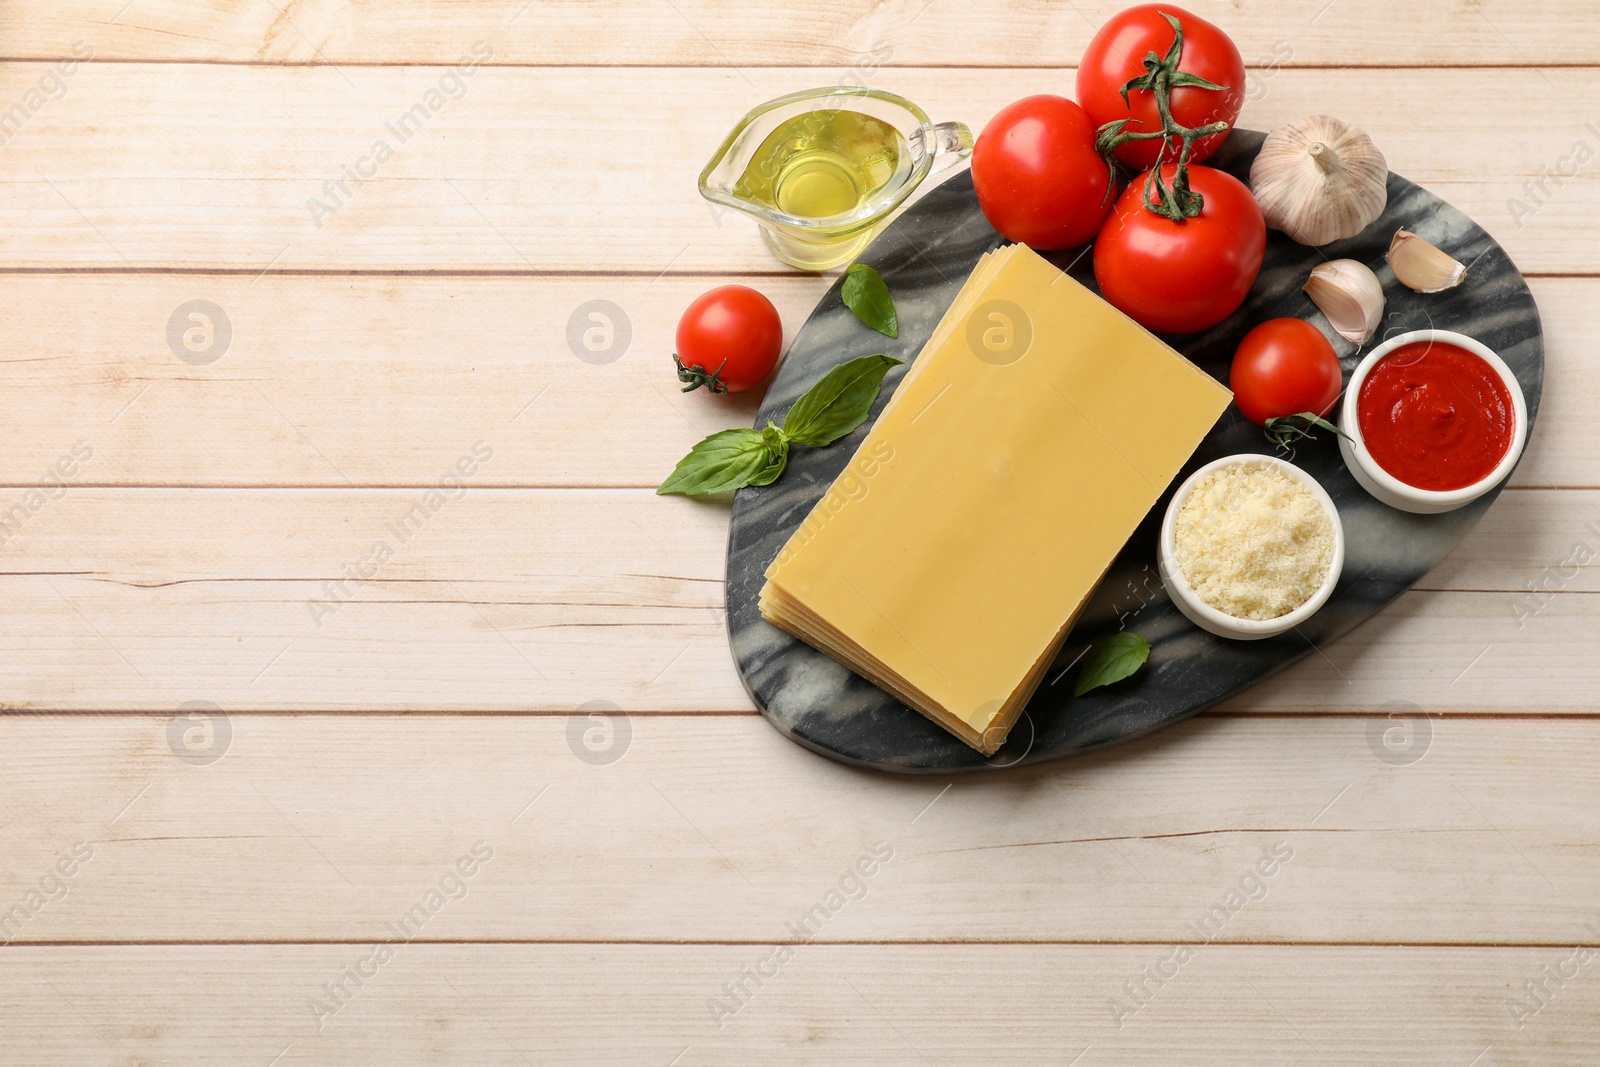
1026	442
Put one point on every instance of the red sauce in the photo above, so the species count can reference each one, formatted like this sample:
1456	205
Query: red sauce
1436	416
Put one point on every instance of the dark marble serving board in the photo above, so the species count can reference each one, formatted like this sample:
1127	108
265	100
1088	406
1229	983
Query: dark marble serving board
925	256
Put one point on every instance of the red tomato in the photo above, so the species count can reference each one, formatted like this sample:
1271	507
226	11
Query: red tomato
1284	367
1116	57
1039	179
1179	277
728	340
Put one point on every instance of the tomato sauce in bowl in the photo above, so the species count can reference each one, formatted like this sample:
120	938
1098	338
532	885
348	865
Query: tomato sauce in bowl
1436	416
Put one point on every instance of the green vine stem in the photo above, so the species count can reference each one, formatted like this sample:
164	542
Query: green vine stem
1286	430
696	377
1161	75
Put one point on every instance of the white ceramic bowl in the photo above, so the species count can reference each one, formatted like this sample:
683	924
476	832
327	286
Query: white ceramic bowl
1221	623
1385	486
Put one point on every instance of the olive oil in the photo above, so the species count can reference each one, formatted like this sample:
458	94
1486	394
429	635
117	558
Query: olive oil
825	163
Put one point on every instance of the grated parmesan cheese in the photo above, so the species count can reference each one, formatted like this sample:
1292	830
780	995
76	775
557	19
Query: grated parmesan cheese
1253	542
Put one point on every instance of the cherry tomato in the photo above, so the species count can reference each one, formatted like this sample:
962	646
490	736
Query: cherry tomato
728	340
1284	367
1116	56
1039	179
1179	277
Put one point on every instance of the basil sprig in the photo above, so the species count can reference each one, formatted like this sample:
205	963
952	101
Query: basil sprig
1285	430
732	459
838	403
775	448
865	293
1112	659
721	463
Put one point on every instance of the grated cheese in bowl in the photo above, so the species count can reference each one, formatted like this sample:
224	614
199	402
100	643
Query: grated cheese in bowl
1253	542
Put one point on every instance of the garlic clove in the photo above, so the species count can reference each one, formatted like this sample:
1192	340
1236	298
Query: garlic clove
1421	266
1320	180
1350	295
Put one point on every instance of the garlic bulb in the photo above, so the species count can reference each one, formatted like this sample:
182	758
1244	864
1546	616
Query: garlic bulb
1350	295
1320	180
1421	266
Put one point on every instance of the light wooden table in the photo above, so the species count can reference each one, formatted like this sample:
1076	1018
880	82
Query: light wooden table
292	880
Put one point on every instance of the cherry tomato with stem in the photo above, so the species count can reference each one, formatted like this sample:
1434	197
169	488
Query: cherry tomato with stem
1285	367
728	340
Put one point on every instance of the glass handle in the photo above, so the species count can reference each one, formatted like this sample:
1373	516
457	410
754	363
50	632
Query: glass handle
953	141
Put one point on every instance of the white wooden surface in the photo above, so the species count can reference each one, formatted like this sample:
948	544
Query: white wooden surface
1436	863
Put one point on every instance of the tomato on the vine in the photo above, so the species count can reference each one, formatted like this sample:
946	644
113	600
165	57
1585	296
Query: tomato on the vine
1180	277
1116	56
1039	180
1284	367
728	340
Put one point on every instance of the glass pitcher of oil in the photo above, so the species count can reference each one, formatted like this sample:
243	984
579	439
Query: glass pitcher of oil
823	170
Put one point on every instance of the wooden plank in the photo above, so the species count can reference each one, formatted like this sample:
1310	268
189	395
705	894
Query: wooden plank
371	381
527	600
1451	652
212	167
329	827
1565	438
540	600
892	1005
712	33
1536	543
382	381
339	600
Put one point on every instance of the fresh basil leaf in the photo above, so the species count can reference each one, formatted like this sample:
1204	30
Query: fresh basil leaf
777	446
723	462
866	293
1285	430
1111	660
839	402
830	409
